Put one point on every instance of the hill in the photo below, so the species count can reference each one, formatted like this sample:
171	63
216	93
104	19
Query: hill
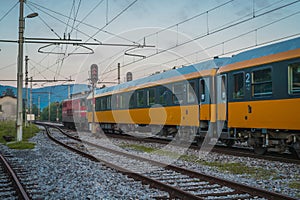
57	93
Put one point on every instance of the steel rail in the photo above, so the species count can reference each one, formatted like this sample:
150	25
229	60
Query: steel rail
18	186
173	191
240	187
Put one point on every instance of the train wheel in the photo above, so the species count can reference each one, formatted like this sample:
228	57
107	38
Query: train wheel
186	134
199	141
260	150
228	142
295	149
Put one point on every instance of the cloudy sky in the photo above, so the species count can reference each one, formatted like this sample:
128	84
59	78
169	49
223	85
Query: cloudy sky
182	33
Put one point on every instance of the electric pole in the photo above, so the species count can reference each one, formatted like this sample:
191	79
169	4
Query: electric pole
119	73
26	86
20	73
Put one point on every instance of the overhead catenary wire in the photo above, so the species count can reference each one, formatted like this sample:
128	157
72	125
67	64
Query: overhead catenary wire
193	17
113	19
219	30
211	33
174	25
255	12
236	37
83	32
40	8
75	17
46	24
9	11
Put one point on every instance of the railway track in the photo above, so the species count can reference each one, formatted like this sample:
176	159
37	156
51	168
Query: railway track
11	187
235	151
178	182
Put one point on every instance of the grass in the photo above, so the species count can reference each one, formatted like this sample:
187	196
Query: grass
138	148
232	167
151	150
295	185
8	128
21	145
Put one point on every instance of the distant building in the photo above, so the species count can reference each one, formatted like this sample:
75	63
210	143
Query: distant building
8	108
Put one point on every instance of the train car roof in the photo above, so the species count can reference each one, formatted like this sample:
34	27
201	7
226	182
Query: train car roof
266	54
83	96
171	74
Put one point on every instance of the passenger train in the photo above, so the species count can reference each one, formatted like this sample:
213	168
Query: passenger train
255	94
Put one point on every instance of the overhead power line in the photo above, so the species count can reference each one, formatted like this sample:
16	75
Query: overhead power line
8	11
38	7
101	29
210	33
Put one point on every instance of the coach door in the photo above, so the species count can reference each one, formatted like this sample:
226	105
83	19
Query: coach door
205	103
221	101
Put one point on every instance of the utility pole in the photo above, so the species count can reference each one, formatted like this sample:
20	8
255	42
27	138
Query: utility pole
20	73
69	91
20	69
49	98
57	104
119	73
30	105
26	86
39	107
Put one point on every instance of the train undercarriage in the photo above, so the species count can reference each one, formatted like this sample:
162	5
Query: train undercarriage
261	140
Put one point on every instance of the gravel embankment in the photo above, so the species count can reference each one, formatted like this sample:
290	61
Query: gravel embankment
62	174
271	175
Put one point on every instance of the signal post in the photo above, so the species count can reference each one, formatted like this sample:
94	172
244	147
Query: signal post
94	80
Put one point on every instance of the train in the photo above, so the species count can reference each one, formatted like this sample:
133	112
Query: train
252	97
74	111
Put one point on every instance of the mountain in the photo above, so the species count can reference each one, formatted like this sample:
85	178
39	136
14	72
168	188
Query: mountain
56	93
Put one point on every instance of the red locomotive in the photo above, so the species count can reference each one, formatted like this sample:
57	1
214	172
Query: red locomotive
74	112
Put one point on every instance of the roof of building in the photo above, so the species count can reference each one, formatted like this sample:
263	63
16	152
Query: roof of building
8	96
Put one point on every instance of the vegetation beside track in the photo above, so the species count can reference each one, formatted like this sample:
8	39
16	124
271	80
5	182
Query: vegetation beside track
8	129
231	167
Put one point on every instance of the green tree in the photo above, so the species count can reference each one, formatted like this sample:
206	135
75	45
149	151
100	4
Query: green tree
53	112
35	111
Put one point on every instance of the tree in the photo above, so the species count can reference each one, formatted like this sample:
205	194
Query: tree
35	111
53	112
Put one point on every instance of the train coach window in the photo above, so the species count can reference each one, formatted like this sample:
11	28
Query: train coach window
116	101
262	82
202	90
108	103
103	103
238	84
140	98
179	90
191	96
162	92
294	78
98	104
150	96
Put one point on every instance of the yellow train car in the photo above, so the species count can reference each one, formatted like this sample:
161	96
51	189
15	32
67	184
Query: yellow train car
165	102
263	97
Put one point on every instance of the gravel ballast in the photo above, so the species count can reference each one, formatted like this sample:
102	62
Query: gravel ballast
274	176
62	174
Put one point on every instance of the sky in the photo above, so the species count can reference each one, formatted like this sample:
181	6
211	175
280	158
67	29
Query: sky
179	33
